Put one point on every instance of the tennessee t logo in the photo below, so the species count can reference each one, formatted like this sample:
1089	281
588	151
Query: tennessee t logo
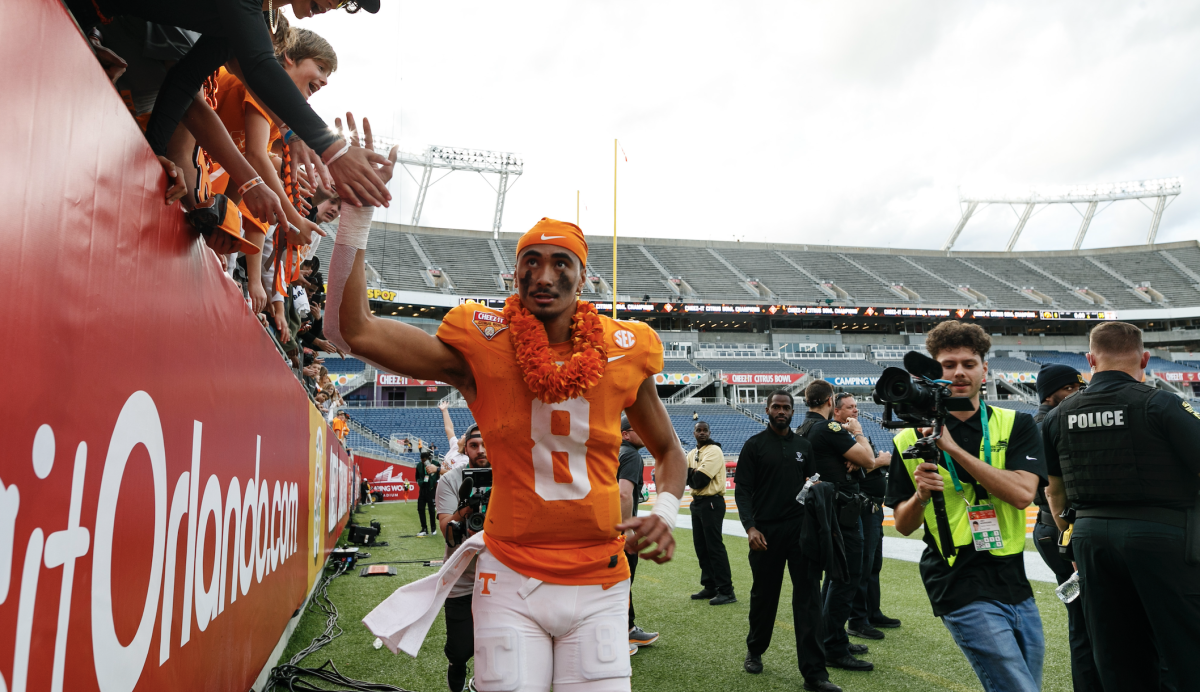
487	577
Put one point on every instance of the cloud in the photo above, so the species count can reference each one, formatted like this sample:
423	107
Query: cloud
848	123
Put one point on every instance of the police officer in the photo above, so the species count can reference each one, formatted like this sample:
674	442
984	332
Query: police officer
771	471
838	452
1124	455
866	614
1056	382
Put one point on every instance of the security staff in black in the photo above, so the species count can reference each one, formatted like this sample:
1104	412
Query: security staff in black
1056	382
866	616
839	452
771	472
1125	455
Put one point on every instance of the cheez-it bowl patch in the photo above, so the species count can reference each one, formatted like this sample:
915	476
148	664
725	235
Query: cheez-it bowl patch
489	323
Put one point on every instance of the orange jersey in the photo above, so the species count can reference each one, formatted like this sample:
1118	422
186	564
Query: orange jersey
340	428
555	501
233	103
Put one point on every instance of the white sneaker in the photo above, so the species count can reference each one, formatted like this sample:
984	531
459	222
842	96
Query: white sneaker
422	534
632	648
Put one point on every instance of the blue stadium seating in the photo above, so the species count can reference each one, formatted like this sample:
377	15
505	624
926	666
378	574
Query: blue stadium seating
1075	360
678	365
729	427
423	423
343	366
1162	365
1005	364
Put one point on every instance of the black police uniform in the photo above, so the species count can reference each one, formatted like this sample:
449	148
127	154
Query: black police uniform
866	601
830	442
771	471
1127	454
630	468
1084	675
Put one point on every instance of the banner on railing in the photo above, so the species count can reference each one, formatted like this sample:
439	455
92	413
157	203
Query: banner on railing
384	379
677	378
1179	376
168	494
396	481
853	381
781	378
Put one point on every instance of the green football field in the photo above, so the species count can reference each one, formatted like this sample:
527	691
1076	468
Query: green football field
701	646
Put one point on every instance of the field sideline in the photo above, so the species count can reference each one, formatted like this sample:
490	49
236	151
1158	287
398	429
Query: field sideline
701	646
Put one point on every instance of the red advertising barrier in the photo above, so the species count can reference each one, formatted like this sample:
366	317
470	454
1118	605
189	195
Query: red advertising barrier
168	495
1179	376
395	480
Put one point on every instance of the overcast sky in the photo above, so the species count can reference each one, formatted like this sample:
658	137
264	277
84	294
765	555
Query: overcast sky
850	123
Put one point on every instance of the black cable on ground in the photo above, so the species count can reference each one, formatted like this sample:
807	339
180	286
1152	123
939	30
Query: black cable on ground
294	678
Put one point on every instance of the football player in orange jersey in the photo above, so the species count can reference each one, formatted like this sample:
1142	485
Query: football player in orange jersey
547	379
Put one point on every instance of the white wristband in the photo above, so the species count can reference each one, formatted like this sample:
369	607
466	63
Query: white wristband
340	153
354	225
666	506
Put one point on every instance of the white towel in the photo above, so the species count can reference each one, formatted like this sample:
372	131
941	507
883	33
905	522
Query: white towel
404	618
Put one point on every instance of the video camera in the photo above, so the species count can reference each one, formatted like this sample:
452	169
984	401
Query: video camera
476	493
920	398
916	394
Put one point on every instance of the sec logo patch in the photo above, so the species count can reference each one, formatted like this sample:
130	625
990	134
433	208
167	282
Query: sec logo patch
624	338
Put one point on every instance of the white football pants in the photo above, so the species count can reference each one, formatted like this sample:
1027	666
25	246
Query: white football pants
529	634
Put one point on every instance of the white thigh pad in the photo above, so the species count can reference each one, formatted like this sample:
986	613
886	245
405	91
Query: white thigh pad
498	659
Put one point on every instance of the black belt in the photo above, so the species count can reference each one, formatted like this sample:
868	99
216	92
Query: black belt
1162	515
1046	518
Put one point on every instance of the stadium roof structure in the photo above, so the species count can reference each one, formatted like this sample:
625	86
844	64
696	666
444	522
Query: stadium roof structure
441	267
1163	191
506	165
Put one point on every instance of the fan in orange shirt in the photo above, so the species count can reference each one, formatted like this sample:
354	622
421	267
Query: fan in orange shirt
547	379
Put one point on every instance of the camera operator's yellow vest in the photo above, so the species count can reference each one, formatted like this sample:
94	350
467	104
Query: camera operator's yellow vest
1012	519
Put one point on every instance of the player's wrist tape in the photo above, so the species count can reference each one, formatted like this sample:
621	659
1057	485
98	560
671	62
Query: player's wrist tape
340	153
666	507
354	226
250	185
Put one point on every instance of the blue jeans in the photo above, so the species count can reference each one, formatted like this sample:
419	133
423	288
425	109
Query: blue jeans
1003	643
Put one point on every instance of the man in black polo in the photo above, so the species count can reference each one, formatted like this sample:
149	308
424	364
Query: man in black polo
838	454
771	471
1056	382
629	482
1124	454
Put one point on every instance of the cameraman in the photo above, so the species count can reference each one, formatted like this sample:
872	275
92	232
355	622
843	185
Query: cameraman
982	596
838	454
460	628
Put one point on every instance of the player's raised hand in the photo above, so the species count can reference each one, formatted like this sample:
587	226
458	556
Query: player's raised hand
356	172
649	530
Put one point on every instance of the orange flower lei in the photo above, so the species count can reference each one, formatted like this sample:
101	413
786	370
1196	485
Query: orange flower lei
549	382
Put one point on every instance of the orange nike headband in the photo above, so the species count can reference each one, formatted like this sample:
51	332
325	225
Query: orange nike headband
553	232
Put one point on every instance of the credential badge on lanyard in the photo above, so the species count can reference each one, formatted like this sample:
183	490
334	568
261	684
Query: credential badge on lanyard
985	525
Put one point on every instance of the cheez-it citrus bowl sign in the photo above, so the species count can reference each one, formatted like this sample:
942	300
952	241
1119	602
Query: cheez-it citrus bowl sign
763	378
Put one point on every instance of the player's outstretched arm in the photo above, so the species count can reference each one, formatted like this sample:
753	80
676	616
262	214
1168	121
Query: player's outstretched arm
649	418
390	345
